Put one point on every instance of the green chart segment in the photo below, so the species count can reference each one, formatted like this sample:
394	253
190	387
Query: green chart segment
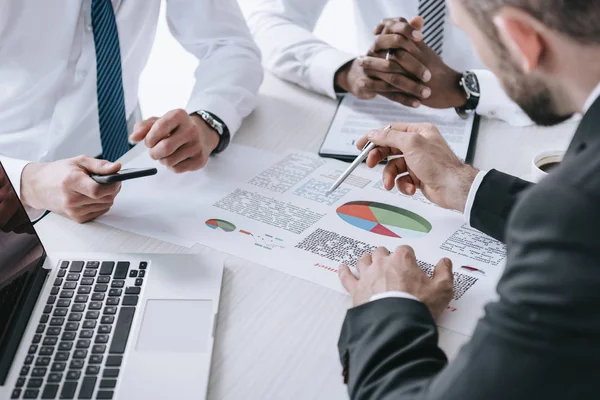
220	224
384	219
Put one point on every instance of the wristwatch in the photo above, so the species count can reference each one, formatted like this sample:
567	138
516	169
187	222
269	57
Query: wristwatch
219	126
470	85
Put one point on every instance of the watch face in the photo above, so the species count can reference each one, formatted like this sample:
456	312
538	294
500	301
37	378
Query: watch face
471	83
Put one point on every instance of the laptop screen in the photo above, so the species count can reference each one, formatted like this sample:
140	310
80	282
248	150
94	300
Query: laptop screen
21	274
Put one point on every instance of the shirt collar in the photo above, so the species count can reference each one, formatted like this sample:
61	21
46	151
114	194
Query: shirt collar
592	99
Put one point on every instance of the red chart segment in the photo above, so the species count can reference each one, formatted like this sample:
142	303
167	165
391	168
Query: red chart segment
382	230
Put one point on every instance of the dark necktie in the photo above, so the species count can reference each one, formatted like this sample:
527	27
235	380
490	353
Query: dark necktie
434	14
109	82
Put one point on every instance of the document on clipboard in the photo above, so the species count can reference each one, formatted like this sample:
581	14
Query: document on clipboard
355	117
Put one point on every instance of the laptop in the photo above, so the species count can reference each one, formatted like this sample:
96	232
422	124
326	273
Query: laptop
101	326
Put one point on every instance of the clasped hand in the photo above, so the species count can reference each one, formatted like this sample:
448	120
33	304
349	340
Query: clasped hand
412	75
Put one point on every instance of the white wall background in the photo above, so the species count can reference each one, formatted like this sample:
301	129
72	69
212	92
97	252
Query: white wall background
168	79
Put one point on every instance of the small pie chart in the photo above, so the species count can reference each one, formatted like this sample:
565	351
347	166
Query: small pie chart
384	219
220	224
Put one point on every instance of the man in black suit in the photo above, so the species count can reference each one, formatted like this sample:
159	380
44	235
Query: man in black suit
541	339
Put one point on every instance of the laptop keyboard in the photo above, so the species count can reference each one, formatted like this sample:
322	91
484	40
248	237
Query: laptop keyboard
78	347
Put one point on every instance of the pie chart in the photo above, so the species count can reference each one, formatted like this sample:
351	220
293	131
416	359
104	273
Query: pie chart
220	224
384	219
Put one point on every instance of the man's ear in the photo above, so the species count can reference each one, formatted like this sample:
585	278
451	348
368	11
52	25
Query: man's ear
520	34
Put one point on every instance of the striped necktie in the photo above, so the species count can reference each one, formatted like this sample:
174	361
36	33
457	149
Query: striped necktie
434	14
109	82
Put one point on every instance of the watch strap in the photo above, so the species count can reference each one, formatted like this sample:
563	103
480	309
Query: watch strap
224	134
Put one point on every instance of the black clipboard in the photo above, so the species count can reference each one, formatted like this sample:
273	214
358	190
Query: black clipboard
470	150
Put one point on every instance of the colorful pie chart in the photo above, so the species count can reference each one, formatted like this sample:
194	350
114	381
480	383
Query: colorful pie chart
384	219
219	223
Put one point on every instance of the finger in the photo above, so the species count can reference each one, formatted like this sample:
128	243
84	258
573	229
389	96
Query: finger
141	129
97	166
402	83
79	200
90	188
391	171
403	28
379	154
364	262
406	185
379	64
380	252
406	254
403	99
403	137
90	217
384	22
165	126
92	208
190	164
183	153
360	143
443	271
410	64
383	43
376	86
417	23
348	279
170	145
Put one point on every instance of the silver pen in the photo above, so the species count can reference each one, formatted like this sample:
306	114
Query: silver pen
361	157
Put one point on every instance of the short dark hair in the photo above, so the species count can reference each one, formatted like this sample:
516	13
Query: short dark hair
577	19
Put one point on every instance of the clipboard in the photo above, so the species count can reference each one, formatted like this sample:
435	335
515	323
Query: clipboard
470	153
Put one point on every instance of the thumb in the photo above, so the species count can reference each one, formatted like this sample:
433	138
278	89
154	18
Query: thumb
395	137
443	271
98	167
141	129
417	23
347	278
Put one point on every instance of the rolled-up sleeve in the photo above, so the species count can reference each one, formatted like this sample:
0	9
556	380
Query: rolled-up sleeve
283	30
229	72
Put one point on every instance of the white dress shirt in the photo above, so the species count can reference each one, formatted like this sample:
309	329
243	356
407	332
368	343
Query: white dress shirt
48	100
283	31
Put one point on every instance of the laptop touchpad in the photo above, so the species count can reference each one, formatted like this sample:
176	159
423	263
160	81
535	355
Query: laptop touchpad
176	326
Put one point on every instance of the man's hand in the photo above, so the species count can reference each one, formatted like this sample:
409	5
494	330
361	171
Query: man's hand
414	69
428	164
384	272
65	187
180	141
352	79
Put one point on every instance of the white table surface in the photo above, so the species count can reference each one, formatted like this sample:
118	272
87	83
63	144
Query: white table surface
277	335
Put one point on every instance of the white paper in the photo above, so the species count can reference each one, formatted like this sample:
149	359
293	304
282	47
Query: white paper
271	209
355	118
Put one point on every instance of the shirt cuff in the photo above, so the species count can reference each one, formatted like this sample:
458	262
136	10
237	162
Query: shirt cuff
323	68
494	102
472	194
14	168
395	293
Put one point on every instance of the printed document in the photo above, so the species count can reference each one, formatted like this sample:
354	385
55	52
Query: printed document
355	118
272	209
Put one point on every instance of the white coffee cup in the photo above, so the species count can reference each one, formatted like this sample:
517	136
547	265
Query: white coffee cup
543	161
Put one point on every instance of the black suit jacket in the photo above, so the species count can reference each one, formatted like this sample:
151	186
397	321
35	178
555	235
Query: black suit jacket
541	339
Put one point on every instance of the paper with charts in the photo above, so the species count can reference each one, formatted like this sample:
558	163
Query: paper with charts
272	209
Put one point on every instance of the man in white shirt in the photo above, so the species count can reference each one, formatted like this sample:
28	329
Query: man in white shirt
69	76
415	74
